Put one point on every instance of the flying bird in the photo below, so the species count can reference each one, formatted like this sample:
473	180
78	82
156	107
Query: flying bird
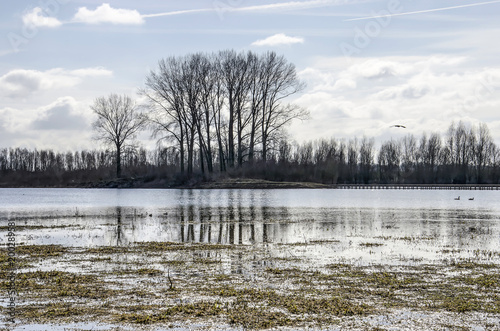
398	126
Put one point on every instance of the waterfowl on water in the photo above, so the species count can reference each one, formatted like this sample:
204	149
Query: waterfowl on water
471	198
457	198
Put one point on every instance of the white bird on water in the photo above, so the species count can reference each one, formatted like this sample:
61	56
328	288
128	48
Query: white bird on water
457	198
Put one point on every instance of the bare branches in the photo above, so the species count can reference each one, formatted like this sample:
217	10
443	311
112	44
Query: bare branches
118	122
237	100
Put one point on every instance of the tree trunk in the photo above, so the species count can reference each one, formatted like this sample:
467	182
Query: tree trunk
222	159
251	146
190	156
231	132
202	166
181	149
118	161
240	138
209	145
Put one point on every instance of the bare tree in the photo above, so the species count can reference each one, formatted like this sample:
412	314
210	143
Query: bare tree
366	154
352	160
280	81
409	156
167	104
389	161
118	121
483	151
234	76
434	147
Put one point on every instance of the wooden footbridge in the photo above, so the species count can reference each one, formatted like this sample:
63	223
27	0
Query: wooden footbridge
470	187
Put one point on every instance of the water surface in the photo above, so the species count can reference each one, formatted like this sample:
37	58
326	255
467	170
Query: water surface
379	226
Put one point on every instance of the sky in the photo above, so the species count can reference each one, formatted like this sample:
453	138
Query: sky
368	64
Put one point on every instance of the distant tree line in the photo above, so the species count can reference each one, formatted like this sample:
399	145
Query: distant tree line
465	154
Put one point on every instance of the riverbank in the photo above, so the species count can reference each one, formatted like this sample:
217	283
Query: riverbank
226	183
249	183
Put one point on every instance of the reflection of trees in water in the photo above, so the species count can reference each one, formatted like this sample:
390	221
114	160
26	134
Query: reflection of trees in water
246	224
240	219
250	224
117	233
226	225
237	224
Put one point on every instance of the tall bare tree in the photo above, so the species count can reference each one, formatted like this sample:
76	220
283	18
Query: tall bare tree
118	121
280	81
167	104
408	156
366	154
483	150
389	159
234	76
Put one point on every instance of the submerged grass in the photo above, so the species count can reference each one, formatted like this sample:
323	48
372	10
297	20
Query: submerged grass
190	282
198	309
38	251
37	227
174	246
58	284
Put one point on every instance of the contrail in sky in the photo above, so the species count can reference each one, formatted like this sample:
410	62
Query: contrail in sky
179	12
272	6
423	11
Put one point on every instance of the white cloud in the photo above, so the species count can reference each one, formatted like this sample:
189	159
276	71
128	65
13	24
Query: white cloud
424	93
106	14
62	114
381	68
63	124
37	18
321	80
278	39
20	83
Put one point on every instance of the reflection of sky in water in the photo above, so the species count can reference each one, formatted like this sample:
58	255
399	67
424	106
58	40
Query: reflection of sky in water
410	226
47	200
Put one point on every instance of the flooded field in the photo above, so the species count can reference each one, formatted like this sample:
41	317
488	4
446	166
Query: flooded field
252	259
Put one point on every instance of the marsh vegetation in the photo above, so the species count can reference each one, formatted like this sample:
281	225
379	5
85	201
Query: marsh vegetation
255	262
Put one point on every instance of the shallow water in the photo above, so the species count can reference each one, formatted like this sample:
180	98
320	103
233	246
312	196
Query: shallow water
379	226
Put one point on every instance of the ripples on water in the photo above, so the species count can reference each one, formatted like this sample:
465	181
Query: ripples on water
384	226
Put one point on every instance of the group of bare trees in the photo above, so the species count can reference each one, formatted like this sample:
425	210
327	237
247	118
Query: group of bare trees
230	108
24	167
466	154
22	159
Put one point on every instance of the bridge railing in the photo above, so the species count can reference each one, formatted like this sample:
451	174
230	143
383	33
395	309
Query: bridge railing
474	187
